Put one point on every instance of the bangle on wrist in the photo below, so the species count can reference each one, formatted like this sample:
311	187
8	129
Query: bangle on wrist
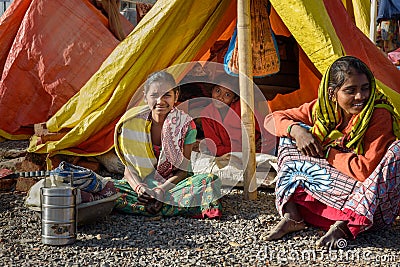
327	152
138	186
289	128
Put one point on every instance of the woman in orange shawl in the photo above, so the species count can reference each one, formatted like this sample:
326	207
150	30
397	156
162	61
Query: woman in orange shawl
339	165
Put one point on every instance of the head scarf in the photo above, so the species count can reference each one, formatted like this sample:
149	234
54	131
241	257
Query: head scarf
326	117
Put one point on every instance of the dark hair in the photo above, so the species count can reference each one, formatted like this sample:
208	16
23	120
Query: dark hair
345	66
231	81
160	76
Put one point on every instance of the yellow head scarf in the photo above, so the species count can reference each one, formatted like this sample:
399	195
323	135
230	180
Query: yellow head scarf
326	116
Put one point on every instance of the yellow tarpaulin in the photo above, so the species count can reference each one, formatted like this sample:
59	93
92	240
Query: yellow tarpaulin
172	32
324	40
179	31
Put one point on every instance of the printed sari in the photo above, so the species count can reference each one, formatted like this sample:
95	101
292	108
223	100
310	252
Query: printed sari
325	195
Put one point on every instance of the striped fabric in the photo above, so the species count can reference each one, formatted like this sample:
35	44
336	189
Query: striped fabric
376	199
82	178
133	142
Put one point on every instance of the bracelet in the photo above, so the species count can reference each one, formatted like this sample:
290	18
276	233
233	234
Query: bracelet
289	128
327	152
138	186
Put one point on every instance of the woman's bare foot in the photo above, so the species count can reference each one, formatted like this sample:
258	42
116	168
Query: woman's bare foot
285	226
337	231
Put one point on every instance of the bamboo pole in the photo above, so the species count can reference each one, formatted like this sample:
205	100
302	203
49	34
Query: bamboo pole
372	25
246	98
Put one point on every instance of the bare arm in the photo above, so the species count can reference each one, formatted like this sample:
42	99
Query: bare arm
181	173
132	178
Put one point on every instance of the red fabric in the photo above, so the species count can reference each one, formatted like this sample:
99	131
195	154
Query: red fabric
210	214
320	215
48	50
360	46
225	133
377	139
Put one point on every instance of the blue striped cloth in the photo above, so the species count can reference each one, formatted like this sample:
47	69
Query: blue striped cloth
83	178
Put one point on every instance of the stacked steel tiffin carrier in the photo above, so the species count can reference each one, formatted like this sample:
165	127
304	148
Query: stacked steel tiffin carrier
58	211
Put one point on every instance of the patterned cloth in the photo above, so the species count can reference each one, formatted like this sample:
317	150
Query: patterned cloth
376	199
133	142
265	51
387	34
82	178
196	196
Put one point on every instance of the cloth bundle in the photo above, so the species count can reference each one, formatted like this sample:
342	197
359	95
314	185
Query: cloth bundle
82	178
91	186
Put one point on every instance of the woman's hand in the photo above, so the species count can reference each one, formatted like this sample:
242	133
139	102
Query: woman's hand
306	143
144	195
158	203
151	199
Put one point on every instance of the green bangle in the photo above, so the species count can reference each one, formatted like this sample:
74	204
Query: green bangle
289	128
327	152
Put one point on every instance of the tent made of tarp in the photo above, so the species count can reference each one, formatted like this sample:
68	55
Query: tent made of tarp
48	50
178	31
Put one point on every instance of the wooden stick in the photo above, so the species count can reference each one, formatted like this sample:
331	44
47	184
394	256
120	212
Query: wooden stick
246	98
139	1
372	26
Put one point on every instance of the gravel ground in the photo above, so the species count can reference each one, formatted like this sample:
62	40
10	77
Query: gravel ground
235	240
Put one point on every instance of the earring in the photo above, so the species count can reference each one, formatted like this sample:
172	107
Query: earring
331	94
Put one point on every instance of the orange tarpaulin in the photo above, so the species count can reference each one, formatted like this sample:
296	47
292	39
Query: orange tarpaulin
361	47
48	50
166	36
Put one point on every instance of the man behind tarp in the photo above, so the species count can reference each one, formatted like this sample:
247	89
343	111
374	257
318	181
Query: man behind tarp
388	25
